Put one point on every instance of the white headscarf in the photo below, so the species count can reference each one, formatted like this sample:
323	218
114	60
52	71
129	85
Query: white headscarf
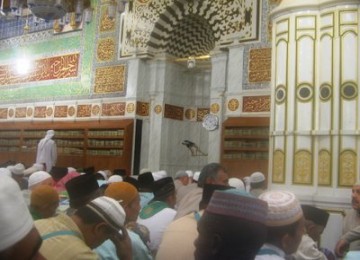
15	219
48	136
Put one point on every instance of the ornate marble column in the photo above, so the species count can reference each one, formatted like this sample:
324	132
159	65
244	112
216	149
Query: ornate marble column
315	103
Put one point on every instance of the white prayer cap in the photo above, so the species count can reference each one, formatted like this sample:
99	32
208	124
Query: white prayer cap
5	171
115	178
103	174
236	183
257	177
71	169
189	173
15	219
180	174
17	169
196	176
36	167
50	133
145	170
159	175
38	177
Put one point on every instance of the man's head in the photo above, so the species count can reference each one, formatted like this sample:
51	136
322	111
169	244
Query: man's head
44	201
19	239
315	221
208	191
355	197
146	180
183	177
50	134
213	173
128	196
17	171
285	221
229	229
257	181
99	220
82	190
40	178
164	190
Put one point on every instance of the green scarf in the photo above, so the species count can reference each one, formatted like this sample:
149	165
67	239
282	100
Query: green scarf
153	208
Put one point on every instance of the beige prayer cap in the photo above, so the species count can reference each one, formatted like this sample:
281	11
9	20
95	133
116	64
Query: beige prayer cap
38	177
15	219
17	169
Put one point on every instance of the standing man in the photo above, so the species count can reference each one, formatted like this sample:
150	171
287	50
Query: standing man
46	151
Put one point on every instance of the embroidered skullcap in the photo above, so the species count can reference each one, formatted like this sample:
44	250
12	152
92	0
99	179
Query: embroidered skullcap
15	219
284	208
239	204
159	175
17	169
121	191
5	171
108	210
81	187
36	167
257	177
180	174
236	183
50	133
38	177
103	174
146	180
208	191
115	178
163	187
43	195
316	215
196	176
189	173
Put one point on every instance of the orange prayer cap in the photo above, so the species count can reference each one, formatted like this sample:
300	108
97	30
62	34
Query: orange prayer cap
43	195
121	191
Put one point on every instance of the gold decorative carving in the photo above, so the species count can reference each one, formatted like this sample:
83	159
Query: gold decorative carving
130	108
201	112
215	108
302	167
260	65
106	24
173	112
57	27
20	112
142	108
49	111
278	175
3	113
110	79
106	49
347	168
324	168
233	104
143	1
11	112
29	111
95	110
83	111
190	114
58	67
40	112
256	104
61	111
158	109
113	109
71	111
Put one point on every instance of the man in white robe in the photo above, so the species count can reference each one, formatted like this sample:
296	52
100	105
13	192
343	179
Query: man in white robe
46	151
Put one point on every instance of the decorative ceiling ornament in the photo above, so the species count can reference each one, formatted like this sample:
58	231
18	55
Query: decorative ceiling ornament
48	9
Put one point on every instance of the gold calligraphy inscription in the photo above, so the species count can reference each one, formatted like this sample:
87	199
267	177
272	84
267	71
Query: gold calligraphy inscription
83	111
29	111
71	111
324	168
142	108
110	79
130	108
49	111
40	112
58	67
3	113
61	111
256	104
106	50
233	104
190	114
260	65
158	109
302	167
20	112
113	109
173	112
215	108
201	112
95	110
106	24
347	168
278	175
11	112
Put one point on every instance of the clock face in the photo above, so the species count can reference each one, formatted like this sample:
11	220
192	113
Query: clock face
210	122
